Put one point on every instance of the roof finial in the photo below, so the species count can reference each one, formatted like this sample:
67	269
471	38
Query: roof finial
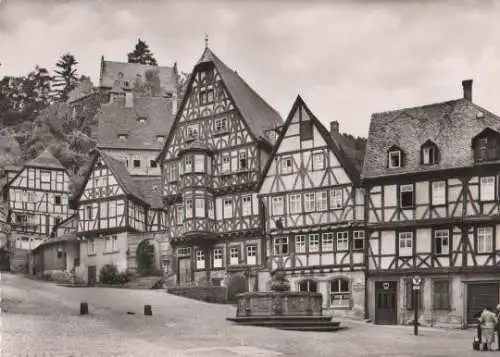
206	40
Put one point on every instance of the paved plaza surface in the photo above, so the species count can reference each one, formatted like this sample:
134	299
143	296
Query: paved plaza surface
42	319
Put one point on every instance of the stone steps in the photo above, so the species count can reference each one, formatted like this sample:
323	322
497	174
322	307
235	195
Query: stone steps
295	323
142	283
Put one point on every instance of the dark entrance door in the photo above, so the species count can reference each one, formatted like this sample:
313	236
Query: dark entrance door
480	295
385	302
184	271
92	274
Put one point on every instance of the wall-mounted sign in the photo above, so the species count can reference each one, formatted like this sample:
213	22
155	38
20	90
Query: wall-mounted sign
386	285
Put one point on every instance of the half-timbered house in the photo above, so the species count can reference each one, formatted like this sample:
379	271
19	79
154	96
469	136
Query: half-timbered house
133	129
38	199
211	164
432	183
118	218
314	211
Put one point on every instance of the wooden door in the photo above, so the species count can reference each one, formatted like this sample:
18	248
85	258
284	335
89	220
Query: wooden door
91	274
184	273
386	302
480	295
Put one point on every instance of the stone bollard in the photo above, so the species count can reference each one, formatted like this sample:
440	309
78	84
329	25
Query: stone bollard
84	308
147	310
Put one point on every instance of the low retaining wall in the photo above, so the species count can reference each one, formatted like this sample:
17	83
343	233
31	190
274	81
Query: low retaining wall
214	294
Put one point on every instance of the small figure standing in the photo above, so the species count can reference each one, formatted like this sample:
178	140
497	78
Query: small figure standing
488	320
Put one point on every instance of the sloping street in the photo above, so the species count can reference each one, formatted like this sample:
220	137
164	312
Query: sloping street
42	319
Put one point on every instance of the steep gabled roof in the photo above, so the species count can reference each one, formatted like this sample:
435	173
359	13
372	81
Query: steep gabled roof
450	125
46	160
258	115
115	119
335	142
150	188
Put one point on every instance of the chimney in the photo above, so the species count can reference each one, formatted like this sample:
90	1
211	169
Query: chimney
467	85
174	103
129	99
334	127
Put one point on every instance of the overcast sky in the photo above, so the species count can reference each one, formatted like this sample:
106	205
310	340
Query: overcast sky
346	59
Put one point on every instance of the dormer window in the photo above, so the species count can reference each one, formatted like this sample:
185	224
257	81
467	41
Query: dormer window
395	158
122	137
141	120
486	145
429	153
160	138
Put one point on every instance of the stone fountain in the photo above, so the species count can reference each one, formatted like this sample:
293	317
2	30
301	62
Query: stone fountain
282	308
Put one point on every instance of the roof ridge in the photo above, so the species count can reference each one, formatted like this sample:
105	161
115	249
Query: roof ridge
402	110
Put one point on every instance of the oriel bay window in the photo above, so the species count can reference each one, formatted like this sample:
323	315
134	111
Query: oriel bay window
280	245
251	255
200	207
340	293
211	209
484	240
179	215
188	163
441	242
226	163
189	208
300	243
218	258
199	163
200	259
487	188
277	206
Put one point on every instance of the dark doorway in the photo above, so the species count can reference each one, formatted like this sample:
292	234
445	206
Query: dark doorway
184	271
92	274
146	259
480	295
237	285
385	302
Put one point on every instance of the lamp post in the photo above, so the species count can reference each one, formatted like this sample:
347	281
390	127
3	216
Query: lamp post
416	282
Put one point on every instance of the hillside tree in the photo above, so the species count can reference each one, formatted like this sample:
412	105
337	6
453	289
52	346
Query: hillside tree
66	77
142	54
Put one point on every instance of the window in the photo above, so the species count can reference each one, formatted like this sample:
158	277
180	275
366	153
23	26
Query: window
200	259
172	172
189	208
410	301
137	163
251	255
188	164
89	212
313	243
192	132
277	206
57	200
234	255
152	164
90	247
439	193
300	244
441	295
211	211
286	165
309	202
141	120
359	240
220	125
179	215
228	208
321	200
309	286
429	154
342	241
306	130
226	163
405	243
394	159
336	198
246	205
242	162
340	295
294	203
122	137
45	176
441	242
318	162
487	188
484	240
110	244
199	163
200	207
327	242
281	246
160	138
218	257
406	196
206	96
182	252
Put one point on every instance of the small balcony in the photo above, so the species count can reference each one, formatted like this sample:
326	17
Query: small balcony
200	229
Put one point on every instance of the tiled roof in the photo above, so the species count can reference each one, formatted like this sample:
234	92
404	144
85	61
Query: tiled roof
84	88
45	160
353	148
115	119
121	175
258	114
450	125
161	81
150	188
